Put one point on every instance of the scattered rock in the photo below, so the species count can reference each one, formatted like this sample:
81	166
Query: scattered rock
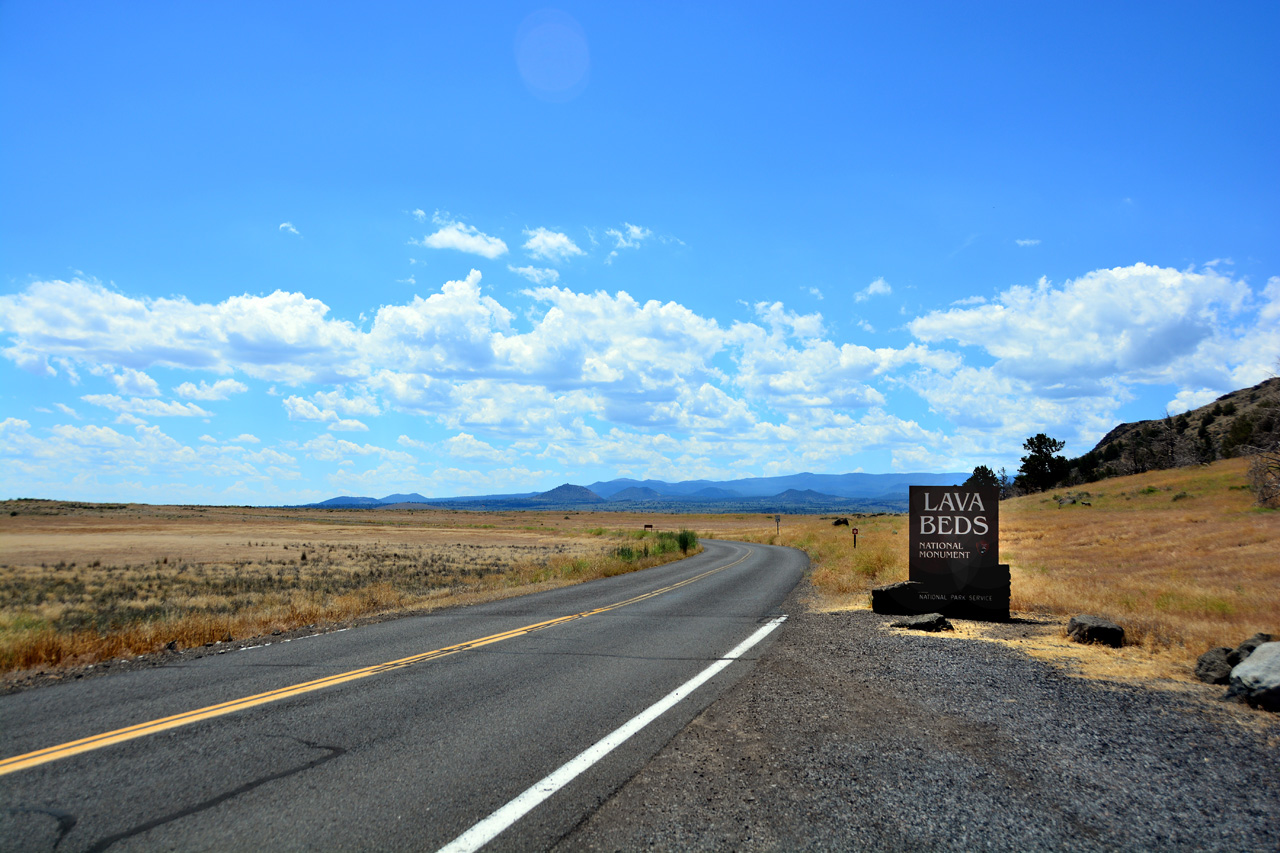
1095	629
840	521
172	646
925	622
1257	680
1242	651
1212	666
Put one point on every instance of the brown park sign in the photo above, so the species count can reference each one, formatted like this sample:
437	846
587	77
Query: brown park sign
955	551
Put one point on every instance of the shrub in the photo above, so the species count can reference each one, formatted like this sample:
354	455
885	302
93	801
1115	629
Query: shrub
686	539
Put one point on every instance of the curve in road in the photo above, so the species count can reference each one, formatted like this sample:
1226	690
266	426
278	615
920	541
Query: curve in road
412	758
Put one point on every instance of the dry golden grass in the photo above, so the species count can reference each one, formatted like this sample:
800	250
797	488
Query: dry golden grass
1181	558
841	572
81	583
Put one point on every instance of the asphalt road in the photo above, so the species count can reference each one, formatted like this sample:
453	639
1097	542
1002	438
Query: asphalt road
399	757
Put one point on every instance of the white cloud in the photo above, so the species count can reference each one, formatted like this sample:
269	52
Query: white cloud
1189	399
208	439
815	292
288	228
552	246
153	408
302	409
879	287
220	390
348	425
630	237
784	322
1027	242
464	238
419	214
1139	323
467	446
278	337
601	380
339	402
1269	311
326	448
246	438
536	275
67	410
102	455
135	382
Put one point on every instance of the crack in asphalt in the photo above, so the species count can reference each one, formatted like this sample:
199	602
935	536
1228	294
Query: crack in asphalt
334	752
66	820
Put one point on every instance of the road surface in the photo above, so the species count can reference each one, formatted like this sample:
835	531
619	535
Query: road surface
401	735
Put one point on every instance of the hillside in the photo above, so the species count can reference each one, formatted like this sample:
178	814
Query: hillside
1223	429
567	494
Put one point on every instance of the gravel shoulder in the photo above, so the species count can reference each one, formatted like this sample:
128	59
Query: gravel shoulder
849	735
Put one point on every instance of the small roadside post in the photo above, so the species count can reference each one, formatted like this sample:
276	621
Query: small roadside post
855	537
777	520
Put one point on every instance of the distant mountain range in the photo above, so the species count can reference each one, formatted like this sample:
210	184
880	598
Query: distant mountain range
795	493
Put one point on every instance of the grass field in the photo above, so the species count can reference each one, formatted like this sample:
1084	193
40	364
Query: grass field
81	583
1181	558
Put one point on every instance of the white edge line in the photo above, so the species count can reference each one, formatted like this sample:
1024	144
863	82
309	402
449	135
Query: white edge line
489	828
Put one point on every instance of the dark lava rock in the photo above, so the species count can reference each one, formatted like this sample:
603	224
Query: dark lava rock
1095	629
1242	651
1212	666
925	622
896	599
1257	680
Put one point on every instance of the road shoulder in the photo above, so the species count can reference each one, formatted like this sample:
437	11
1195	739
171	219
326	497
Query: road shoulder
851	735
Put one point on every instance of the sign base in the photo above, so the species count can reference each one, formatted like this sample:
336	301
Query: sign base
985	597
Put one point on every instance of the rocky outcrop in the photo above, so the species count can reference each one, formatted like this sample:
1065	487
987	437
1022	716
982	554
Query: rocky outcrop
1257	679
1095	629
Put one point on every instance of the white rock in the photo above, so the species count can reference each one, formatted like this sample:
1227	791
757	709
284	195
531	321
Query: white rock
1256	679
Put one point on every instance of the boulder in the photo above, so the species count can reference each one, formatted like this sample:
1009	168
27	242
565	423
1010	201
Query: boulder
840	521
925	622
1095	629
1242	651
1257	680
1212	666
896	599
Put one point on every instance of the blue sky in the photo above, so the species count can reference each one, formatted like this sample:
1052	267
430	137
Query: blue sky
274	252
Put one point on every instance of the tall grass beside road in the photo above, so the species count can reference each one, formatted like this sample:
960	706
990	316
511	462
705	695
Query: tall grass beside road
1182	558
83	584
843	570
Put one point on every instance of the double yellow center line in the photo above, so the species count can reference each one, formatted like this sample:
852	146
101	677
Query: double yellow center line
53	753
